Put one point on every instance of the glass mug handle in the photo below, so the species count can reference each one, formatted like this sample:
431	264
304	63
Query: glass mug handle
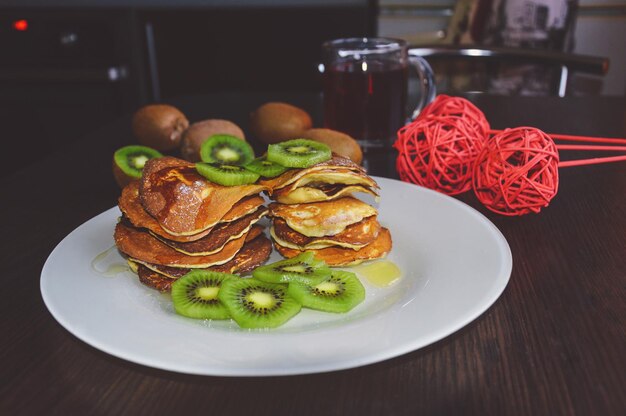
426	77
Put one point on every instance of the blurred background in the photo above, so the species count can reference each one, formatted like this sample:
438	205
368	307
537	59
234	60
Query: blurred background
70	66
584	27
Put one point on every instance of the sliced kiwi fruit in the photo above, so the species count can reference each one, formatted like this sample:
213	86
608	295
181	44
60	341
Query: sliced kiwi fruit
303	268
128	162
341	292
227	175
227	150
198	132
339	143
298	153
256	304
195	295
265	168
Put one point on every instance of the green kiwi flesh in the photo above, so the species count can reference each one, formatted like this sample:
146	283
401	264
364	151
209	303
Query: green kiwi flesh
131	159
226	175
256	304
303	268
298	153
226	150
265	168
195	295
341	292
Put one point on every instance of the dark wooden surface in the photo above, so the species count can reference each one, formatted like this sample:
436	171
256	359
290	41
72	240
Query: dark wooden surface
553	344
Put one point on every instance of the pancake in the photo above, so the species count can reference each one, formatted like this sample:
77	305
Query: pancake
331	177
144	247
337	163
318	193
253	254
171	273
355	236
221	234
151	278
130	205
320	219
338	256
184	202
175	272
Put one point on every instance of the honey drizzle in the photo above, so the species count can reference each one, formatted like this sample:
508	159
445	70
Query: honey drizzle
382	273
110	270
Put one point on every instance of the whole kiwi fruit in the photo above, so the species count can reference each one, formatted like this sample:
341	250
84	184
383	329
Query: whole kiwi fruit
275	122
159	126
339	143
199	132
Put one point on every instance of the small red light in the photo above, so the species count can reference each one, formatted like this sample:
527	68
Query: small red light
20	25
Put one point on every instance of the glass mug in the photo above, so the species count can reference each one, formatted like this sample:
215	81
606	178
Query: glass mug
365	82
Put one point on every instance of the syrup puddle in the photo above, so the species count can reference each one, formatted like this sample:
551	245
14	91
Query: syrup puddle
108	265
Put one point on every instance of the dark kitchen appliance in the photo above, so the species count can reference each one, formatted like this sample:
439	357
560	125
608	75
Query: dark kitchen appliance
63	73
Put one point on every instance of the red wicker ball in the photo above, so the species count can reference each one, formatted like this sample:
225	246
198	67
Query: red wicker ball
445	106
516	172
438	153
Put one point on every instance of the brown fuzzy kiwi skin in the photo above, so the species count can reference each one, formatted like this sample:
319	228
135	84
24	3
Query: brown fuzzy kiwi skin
159	126
339	143
199	132
276	122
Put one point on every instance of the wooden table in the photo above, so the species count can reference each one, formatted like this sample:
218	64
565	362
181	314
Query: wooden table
553	344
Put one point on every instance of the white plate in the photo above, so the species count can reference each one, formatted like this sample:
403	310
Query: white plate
455	264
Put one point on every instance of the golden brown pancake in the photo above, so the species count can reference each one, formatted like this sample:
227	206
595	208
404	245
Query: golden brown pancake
253	254
153	279
221	234
355	236
338	256
320	219
165	271
334	176
130	205
144	247
335	163
184	202
318	193
176	272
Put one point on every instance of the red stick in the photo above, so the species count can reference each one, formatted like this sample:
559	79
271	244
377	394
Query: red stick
578	138
588	139
589	147
593	161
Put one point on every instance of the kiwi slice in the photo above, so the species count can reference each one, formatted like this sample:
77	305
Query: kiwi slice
303	268
256	304
341	292
131	159
195	294
227	150
265	168
227	175
298	153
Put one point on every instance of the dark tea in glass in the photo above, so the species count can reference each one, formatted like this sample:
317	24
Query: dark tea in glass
366	100
365	88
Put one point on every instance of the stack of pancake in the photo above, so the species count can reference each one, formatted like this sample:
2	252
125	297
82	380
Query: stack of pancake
315	211
174	220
